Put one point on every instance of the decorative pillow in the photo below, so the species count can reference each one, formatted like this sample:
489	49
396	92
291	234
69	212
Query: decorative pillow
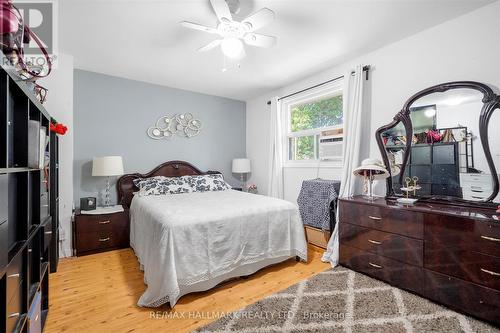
204	183
162	185
175	185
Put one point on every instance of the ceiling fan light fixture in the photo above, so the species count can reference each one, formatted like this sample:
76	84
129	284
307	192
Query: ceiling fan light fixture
247	26
232	48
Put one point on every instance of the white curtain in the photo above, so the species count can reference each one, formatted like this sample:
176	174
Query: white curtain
275	181
353	117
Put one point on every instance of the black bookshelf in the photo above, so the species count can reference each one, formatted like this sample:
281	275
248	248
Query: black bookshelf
29	217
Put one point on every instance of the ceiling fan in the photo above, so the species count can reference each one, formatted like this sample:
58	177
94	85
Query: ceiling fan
233	33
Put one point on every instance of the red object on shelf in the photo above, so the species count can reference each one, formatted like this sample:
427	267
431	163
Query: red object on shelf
498	209
58	128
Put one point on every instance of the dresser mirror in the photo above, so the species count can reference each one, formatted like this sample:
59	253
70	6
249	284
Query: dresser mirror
444	137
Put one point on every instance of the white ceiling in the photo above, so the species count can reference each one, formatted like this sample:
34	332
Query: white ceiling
142	39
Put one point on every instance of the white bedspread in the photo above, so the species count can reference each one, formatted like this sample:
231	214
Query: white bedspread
196	238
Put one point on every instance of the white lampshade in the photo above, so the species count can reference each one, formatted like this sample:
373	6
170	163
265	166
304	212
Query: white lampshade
241	165
107	166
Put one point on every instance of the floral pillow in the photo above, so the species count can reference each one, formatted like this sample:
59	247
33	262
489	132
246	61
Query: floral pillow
162	185
206	183
148	186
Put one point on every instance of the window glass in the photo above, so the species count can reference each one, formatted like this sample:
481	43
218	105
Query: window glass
316	114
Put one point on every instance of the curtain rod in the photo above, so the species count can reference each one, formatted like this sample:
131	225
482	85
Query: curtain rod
366	69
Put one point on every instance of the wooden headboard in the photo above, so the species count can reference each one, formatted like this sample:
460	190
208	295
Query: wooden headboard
126	187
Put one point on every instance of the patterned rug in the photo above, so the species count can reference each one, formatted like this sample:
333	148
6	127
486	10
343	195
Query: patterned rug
341	300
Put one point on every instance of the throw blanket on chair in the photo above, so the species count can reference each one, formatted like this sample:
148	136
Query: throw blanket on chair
314	202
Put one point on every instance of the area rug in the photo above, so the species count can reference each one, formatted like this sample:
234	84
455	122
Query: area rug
341	300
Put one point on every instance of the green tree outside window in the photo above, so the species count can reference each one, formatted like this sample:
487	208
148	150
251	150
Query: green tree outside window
317	114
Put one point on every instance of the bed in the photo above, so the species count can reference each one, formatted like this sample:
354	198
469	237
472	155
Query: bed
193	241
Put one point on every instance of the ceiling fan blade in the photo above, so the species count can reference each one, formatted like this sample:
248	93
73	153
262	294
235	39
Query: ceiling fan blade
210	45
221	9
200	27
259	19
260	40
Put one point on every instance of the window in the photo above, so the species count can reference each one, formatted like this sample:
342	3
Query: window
307	117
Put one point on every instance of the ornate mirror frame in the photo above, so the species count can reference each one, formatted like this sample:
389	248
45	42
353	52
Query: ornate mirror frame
491	102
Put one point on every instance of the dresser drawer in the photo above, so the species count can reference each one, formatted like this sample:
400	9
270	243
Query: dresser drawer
476	194
476	181
91	223
467	265
393	220
462	233
100	240
15	275
394	272
463	296
14	309
401	248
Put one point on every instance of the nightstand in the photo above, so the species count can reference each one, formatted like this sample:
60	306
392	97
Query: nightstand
100	232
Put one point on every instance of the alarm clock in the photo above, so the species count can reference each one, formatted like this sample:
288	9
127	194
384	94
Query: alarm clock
88	203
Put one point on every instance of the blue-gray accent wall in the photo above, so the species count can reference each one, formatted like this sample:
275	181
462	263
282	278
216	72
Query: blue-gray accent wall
111	116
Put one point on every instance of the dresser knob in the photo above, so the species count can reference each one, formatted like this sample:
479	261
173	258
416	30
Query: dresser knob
374	242
374	218
104	222
104	239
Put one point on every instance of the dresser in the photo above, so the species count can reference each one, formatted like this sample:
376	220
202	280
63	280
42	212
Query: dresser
445	253
100	232
477	186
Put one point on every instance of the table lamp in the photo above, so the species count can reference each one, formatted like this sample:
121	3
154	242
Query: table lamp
107	166
241	166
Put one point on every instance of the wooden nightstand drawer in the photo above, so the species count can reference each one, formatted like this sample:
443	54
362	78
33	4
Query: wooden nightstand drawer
102	240
91	223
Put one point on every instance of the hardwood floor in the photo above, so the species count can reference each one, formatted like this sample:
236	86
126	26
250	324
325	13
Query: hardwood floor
99	293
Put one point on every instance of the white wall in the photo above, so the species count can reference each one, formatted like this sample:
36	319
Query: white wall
465	48
60	106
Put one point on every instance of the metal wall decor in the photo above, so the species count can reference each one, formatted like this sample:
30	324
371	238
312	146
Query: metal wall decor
184	125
